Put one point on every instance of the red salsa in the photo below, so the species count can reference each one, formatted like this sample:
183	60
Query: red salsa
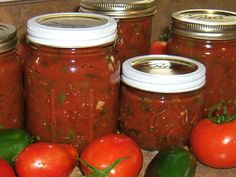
218	57
11	92
154	118
11	81
134	19
158	121
215	49
134	37
71	94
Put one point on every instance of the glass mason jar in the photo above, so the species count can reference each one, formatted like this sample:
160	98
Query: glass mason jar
11	80
72	78
161	99
134	19
208	36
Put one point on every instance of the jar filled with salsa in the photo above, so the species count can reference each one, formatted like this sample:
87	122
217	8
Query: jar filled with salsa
72	77
208	36
161	99
134	19
11	79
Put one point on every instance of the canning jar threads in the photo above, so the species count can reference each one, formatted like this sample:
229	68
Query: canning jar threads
11	81
72	77
134	19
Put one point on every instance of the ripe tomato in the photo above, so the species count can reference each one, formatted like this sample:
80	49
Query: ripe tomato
105	150
158	47
46	160
5	169
213	139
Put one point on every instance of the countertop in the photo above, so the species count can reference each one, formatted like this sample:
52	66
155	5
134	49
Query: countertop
201	171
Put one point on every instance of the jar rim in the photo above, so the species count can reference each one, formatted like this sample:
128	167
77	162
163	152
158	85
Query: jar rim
119	8
164	75
8	37
72	30
212	24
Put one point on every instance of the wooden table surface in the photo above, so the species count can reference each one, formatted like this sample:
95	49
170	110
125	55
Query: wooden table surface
201	171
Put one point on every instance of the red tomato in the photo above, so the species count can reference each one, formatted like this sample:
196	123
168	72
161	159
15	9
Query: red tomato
5	169
158	47
213	143
105	150
46	160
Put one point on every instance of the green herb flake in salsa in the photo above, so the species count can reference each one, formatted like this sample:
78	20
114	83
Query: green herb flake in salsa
64	69
145	104
61	98
71	136
91	75
104	110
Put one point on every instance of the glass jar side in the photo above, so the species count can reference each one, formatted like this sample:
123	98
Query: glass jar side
158	120
134	37
219	57
11	92
71	94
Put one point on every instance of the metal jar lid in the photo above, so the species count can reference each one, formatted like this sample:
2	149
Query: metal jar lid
8	37
163	73
72	30
119	8
205	24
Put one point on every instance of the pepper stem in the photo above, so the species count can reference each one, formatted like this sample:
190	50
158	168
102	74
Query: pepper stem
219	113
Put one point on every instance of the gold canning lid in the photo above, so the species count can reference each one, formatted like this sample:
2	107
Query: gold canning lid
8	37
119	8
206	24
